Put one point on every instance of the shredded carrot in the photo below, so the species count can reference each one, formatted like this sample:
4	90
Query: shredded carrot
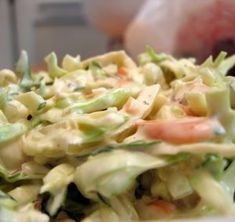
164	206
132	106
122	71
89	95
186	109
184	130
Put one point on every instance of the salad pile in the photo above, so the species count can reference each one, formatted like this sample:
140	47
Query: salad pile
108	139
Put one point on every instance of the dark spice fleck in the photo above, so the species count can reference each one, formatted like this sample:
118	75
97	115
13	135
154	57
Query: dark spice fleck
145	102
29	117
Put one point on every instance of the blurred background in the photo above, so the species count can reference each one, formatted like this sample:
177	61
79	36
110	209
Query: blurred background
42	26
91	27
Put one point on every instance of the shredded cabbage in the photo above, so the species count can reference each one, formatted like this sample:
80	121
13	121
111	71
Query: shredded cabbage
109	139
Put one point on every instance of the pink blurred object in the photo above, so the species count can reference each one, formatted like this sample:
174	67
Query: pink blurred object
183	28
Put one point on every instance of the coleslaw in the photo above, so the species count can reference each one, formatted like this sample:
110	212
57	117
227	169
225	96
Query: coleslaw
110	139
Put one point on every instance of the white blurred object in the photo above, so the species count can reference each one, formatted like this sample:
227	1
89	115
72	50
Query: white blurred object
111	16
183	27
